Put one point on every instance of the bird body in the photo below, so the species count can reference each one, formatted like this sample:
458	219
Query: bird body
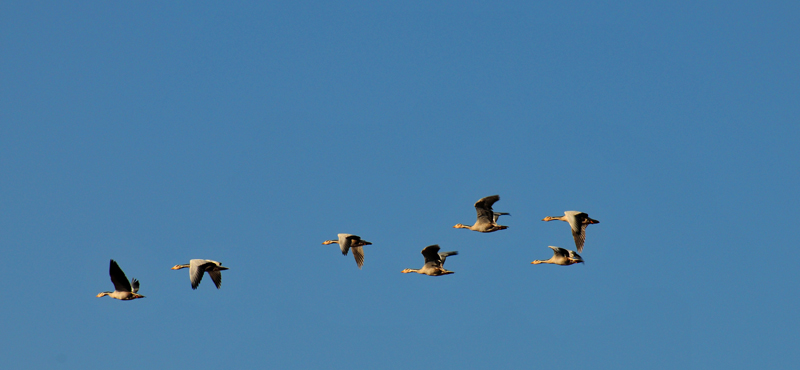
577	222
123	289
487	218
349	241
198	266
434	262
561	256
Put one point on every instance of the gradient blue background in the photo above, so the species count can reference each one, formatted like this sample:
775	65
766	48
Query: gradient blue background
249	132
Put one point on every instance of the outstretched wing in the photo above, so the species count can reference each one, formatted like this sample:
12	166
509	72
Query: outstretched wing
135	284
498	214
431	254
196	270
216	277
443	256
484	208
579	236
344	243
358	254
121	283
578	222
560	252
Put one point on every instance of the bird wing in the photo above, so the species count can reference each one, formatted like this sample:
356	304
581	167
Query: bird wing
358	254
196	270
431	254
443	256
583	220
572	219
560	252
579	236
484	208
498	214
121	283
575	220
344	243
216	277
135	284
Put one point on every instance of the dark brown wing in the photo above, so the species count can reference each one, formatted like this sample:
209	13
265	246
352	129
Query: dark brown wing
484	208
560	252
121	283
443	256
431	254
216	277
358	254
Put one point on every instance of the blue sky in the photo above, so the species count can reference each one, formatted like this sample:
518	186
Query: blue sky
248	133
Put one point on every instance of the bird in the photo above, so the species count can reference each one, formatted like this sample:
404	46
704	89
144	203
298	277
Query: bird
123	289
350	241
578	222
434	262
561	256
198	266
487	218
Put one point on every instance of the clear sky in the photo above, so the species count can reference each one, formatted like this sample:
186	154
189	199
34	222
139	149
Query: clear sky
249	132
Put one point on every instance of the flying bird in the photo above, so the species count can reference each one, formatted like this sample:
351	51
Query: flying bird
487	218
354	242
198	266
434	262
578	222
561	256
123	289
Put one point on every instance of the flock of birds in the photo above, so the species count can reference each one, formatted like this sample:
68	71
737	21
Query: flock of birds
434	260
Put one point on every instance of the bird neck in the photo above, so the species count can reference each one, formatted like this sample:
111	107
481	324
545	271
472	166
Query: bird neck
178	267
410	270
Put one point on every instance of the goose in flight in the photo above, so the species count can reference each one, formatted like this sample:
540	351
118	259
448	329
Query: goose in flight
198	266
561	256
578	222
123	289
434	262
487	218
354	242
